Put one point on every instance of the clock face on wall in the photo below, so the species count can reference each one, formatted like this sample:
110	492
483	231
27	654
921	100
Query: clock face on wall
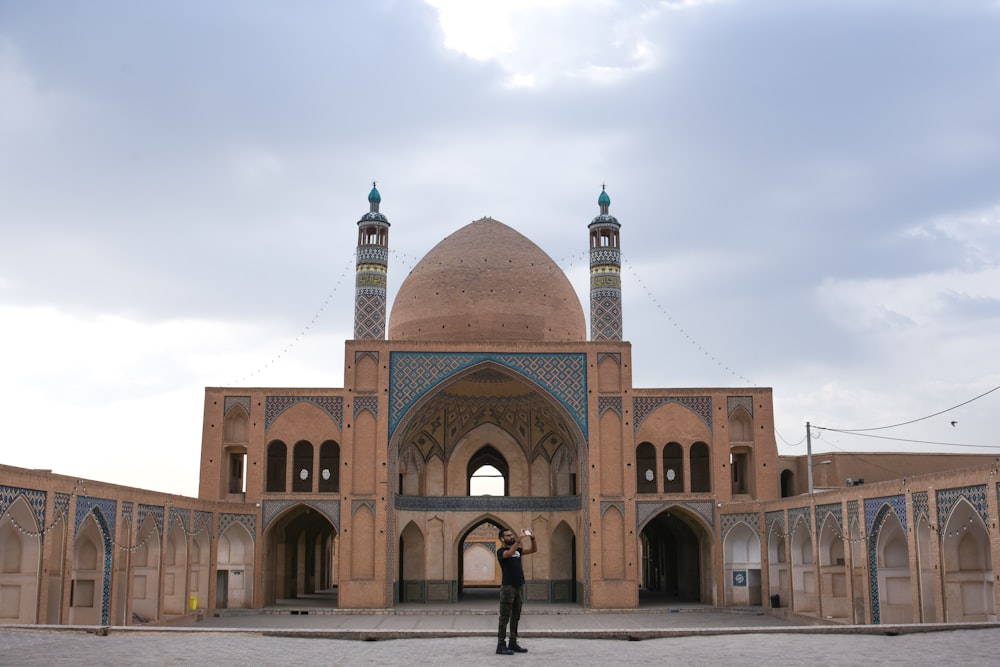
649	475
671	474
326	473
303	474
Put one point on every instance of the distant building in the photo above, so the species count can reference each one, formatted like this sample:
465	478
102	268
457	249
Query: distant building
363	493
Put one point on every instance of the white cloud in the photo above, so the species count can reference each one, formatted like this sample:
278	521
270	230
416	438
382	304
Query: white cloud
537	42
120	400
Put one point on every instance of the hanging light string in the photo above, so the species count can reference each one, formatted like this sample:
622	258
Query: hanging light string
694	342
305	330
79	490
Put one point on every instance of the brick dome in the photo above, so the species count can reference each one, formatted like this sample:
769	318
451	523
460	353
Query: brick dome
487	282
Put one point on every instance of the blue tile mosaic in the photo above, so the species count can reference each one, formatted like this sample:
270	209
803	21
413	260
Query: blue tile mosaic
975	495
751	519
248	521
642	406
34	498
488	503
413	374
644	511
331	405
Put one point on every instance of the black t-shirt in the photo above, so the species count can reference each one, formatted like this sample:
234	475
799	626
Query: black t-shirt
513	571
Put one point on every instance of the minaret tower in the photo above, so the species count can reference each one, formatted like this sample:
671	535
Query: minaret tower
372	267
605	274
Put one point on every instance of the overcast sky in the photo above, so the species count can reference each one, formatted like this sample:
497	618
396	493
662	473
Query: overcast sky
809	195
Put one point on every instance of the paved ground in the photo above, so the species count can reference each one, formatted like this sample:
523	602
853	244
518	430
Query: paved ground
40	647
459	634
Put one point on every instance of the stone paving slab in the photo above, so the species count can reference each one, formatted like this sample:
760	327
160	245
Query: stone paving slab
38	645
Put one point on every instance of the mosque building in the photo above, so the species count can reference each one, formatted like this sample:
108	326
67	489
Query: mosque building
366	494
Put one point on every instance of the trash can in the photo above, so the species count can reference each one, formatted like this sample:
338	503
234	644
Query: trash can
193	603
775	601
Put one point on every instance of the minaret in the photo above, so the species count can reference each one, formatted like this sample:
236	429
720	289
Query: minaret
372	267
605	274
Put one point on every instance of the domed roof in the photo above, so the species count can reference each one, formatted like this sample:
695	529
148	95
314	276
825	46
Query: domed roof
487	282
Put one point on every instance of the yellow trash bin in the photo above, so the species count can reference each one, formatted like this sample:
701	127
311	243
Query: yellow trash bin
194	604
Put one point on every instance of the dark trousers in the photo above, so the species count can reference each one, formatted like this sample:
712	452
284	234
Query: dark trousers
510	610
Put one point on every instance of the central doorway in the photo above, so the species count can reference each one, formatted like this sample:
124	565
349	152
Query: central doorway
676	559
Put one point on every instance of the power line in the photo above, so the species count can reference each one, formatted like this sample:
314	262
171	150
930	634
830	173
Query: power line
919	442
912	421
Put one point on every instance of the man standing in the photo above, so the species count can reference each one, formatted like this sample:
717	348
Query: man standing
512	586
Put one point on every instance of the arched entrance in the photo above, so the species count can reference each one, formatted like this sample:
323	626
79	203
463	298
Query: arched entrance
299	551
478	569
676	558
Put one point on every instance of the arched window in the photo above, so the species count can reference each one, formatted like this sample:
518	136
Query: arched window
329	467
701	472
277	453
673	468
491	473
645	468
302	466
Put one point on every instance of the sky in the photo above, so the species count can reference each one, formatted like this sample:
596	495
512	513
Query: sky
809	195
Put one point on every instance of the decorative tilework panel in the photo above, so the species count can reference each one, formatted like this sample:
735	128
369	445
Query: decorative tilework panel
872	505
852	514
772	519
34	498
248	521
355	504
328	508
184	516
642	406
413	374
150	510
605	256
883	506
369	403
609	403
920	506
488	503
108	513
797	513
360	354
975	495
127	509
331	405
822	511
733	402
644	511
491	546
751	519
608	504
369	312
601	356
232	401
202	522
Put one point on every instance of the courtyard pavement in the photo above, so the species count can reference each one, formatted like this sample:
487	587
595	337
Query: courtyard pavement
308	633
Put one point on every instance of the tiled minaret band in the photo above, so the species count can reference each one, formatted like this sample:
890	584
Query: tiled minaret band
372	267
605	274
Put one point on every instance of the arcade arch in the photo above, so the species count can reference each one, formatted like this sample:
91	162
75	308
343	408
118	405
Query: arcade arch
299	555
234	569
676	557
486	420
968	566
20	556
742	562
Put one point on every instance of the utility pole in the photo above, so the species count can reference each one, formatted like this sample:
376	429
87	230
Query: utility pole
809	456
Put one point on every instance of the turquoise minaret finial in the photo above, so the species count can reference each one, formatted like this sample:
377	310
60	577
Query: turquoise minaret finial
372	269
605	274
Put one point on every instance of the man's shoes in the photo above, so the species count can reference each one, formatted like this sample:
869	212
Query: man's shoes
503	650
514	648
